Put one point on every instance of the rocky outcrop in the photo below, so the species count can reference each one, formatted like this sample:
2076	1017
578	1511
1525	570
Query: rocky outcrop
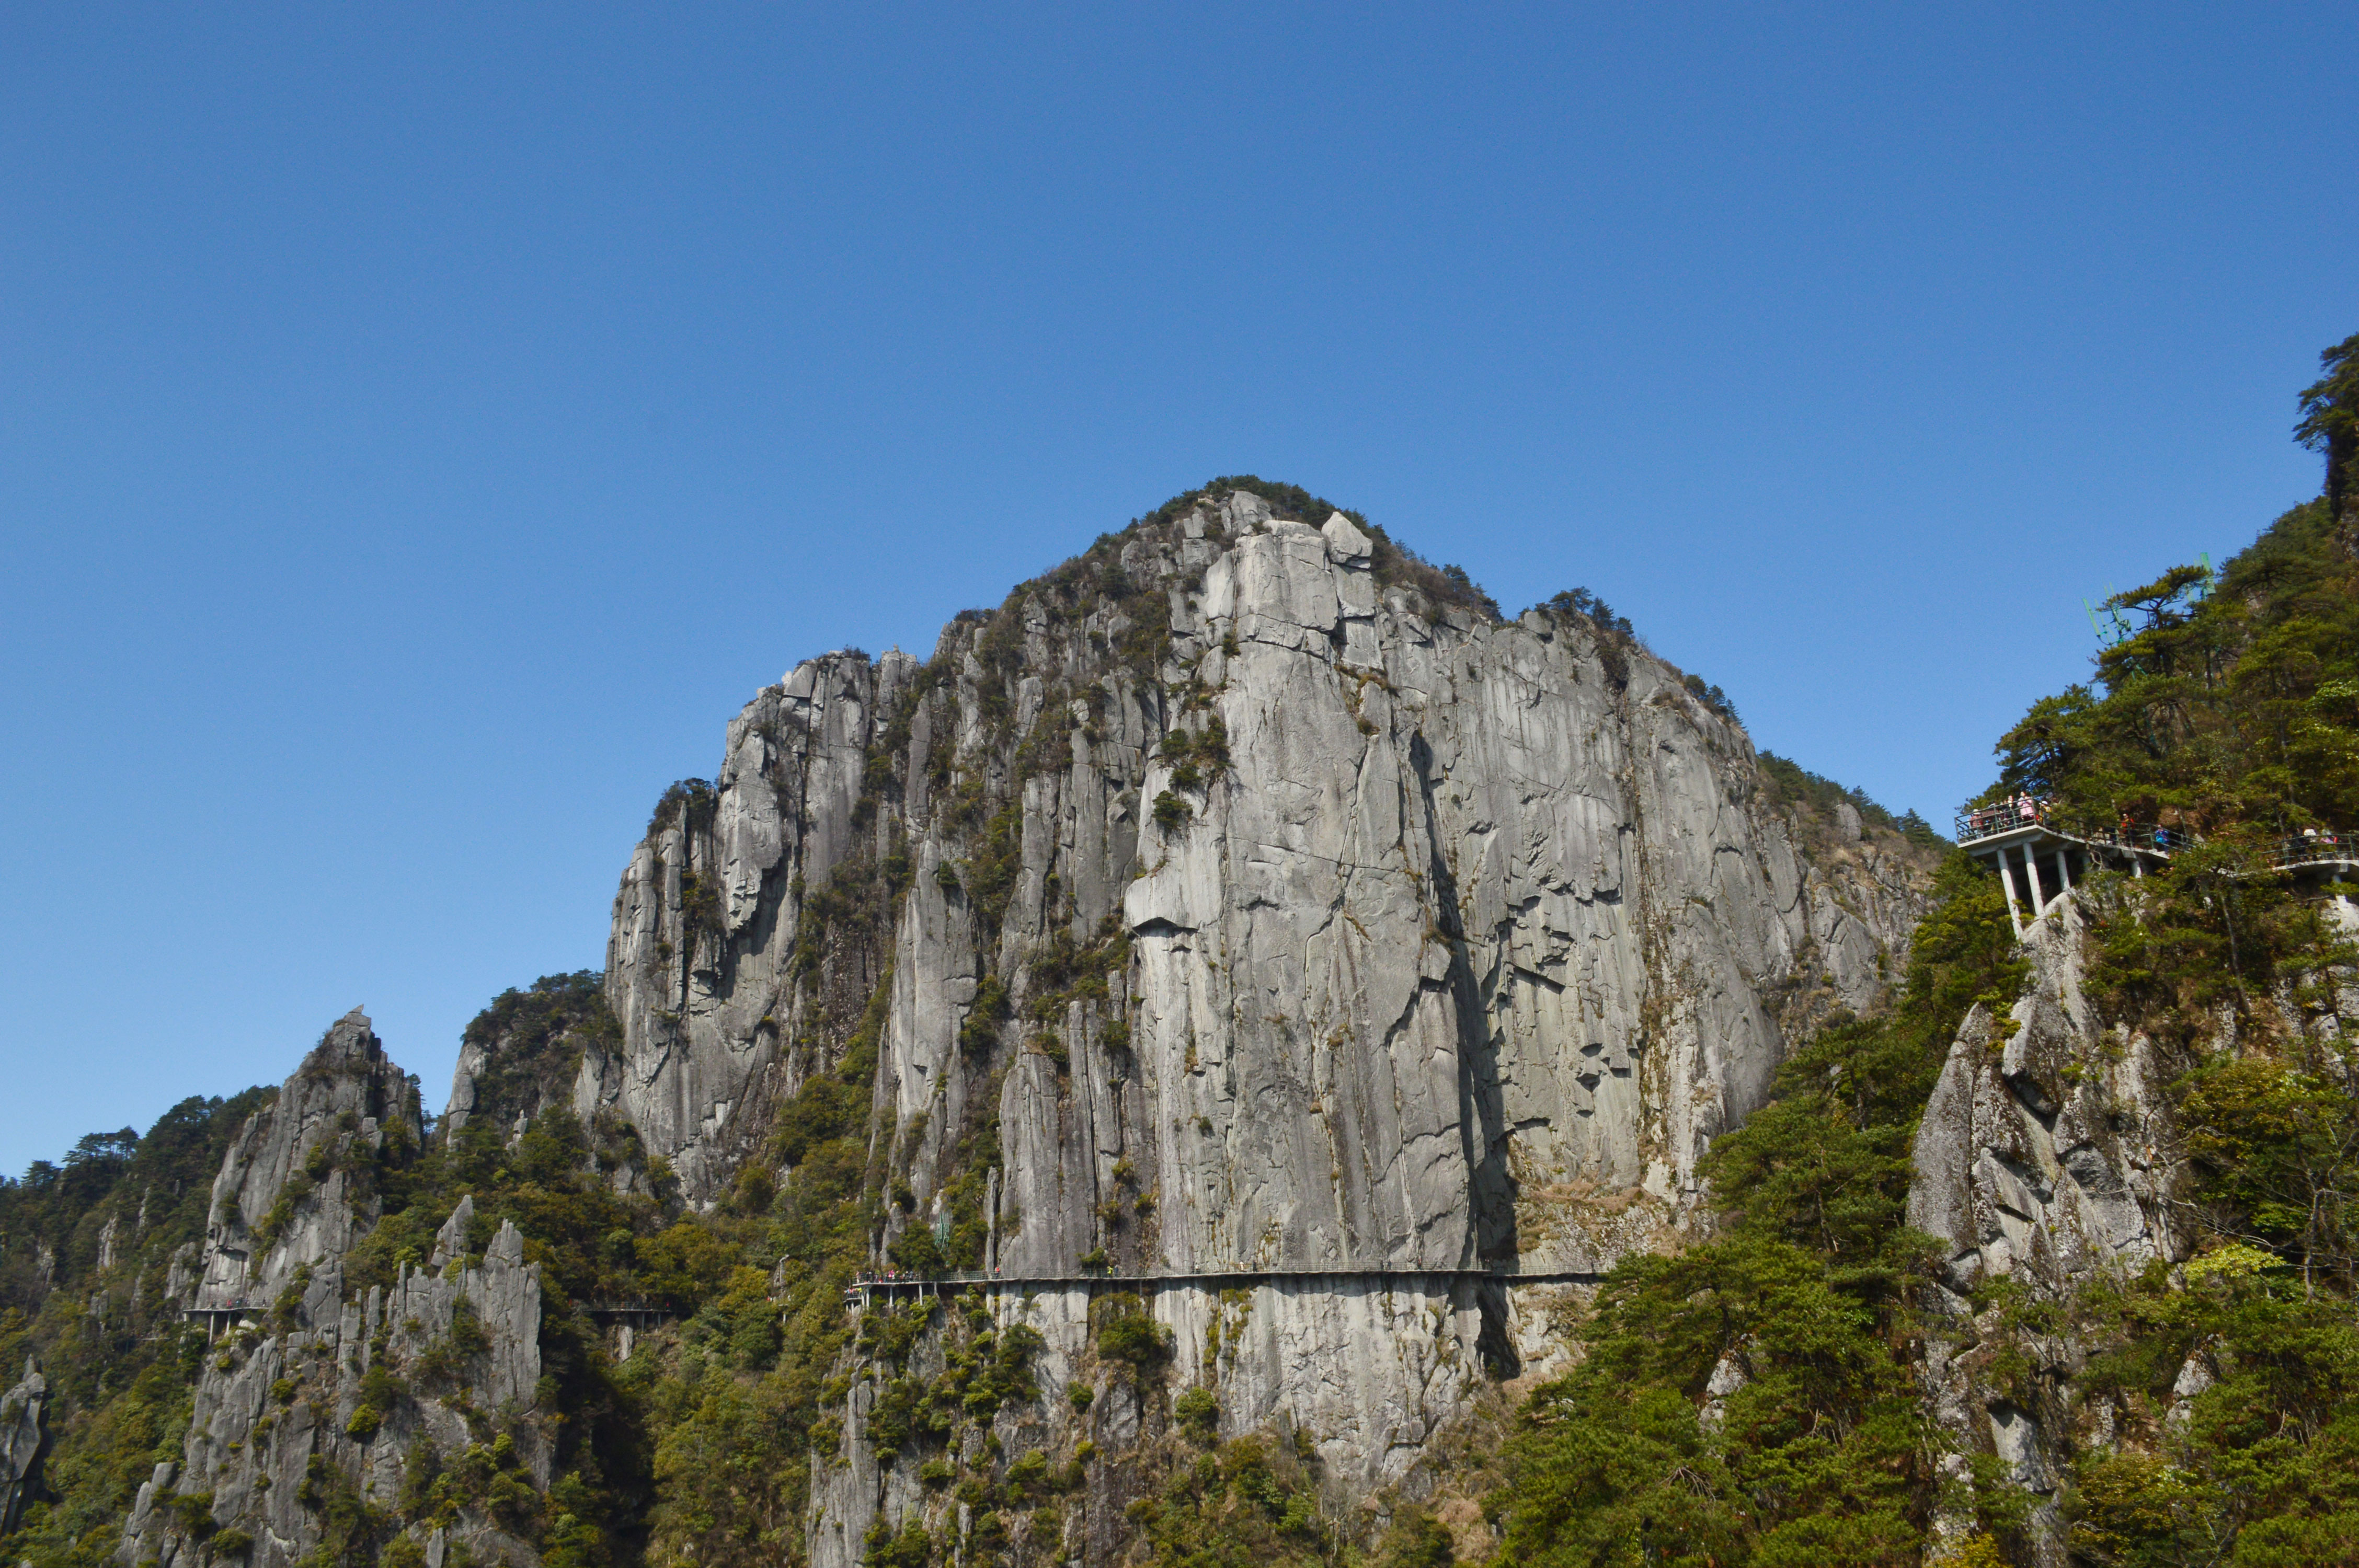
706	919
523	1054
2046	1151
340	1400
2046	1157
1464	908
1283	916
24	1439
285	1200
312	1392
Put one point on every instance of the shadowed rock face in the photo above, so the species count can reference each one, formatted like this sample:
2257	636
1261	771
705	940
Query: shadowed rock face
1451	943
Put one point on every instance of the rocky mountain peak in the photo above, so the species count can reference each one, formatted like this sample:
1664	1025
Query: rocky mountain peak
1243	895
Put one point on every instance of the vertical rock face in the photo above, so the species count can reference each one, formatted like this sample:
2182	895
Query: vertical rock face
311	1392
24	1438
284	1200
706	918
284	1422
1283	916
1464	914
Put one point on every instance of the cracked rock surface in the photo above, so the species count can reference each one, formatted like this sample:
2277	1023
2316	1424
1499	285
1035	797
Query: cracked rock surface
283	1201
2047	1156
1451	945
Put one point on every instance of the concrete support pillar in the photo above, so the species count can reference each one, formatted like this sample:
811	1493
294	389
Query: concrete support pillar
2006	890
2063	873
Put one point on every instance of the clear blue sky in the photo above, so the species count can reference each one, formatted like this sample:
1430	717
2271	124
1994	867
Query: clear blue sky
421	428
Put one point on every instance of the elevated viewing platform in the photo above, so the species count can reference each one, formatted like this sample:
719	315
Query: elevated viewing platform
628	1320
2038	859
639	1314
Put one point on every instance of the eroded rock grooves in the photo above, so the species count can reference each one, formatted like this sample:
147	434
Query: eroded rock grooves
1231	899
1449	942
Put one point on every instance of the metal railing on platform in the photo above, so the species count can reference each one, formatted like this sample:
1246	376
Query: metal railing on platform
2308	847
2157	839
1990	821
629	1309
2316	846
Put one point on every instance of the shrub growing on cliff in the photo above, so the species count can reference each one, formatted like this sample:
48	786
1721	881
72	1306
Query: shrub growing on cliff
690	804
1794	783
1131	1339
1252	1504
1198	1413
1171	813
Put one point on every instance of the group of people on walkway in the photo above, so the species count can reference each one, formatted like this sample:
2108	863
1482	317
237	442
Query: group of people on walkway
2025	810
2028	811
2020	812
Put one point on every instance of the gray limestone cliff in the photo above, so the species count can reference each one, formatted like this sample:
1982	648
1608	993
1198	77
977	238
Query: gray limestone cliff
2046	1152
2046	1157
1490	909
313	1393
1233	900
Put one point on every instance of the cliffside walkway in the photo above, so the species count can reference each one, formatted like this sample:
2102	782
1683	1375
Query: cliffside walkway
219	1316
628	1316
867	1288
2036	858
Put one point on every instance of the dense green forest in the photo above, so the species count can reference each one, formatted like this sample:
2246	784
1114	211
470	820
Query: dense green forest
2227	707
